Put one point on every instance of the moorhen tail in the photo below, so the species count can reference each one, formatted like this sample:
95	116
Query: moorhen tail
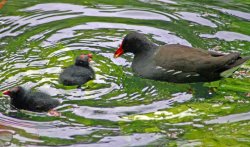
79	73
174	62
32	101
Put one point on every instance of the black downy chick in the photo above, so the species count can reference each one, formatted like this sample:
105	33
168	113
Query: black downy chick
79	73
32	101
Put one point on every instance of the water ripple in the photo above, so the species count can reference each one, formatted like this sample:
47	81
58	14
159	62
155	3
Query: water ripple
84	11
122	141
159	34
115	114
39	41
228	36
237	13
197	18
50	129
230	118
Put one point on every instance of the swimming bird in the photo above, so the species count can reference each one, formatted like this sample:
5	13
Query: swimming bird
79	73
32	101
176	63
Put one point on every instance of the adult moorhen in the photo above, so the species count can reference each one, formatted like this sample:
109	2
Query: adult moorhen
32	101
174	62
79	73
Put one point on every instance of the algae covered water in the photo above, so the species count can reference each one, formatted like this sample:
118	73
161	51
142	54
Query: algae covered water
38	39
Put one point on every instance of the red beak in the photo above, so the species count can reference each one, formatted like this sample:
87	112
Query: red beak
118	52
7	92
90	57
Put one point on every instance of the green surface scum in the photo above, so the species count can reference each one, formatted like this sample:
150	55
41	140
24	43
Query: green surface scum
116	103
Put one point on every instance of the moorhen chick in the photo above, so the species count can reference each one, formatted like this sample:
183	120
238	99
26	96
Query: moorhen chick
32	101
174	62
79	73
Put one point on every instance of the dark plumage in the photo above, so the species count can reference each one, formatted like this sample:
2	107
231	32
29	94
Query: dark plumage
174	62
79	73
32	101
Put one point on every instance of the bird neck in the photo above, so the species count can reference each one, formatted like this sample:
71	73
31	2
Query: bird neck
146	49
82	64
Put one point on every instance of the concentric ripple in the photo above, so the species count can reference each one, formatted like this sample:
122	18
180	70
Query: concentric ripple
39	39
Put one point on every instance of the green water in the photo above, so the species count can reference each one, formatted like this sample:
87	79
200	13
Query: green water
39	38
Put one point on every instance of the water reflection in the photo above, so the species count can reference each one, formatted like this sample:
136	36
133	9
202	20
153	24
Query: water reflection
228	36
132	140
159	1
115	114
237	13
230	118
6	136
197	18
47	37
54	129
66	11
84	11
158	34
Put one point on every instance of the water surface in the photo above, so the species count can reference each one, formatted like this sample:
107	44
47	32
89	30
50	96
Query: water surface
39	38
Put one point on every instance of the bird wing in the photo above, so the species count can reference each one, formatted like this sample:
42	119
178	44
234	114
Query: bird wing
182	58
193	60
41	102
